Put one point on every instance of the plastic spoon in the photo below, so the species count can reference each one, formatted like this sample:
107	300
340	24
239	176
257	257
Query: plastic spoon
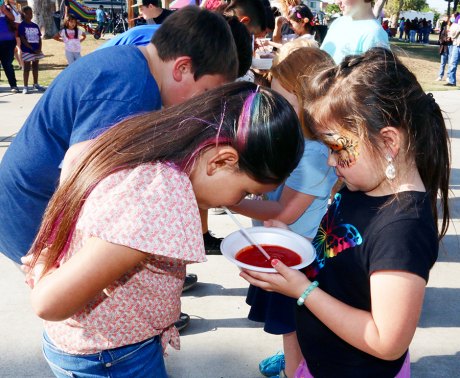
246	234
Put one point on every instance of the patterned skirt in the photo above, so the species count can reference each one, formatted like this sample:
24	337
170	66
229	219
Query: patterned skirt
30	57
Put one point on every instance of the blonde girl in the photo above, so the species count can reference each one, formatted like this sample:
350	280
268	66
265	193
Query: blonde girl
300	202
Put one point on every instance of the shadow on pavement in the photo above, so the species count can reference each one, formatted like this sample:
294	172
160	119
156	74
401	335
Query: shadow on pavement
454	133
444	366
441	308
204	289
454	178
449	249
201	325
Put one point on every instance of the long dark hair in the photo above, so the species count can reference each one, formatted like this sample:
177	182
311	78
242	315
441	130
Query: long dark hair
301	13
66	26
369	92
260	124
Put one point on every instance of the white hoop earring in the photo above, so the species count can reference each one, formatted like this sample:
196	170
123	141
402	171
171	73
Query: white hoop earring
390	171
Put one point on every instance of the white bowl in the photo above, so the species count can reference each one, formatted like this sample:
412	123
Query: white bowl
262	63
236	241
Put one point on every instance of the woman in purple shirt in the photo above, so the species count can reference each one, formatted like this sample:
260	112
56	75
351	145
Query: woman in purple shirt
7	46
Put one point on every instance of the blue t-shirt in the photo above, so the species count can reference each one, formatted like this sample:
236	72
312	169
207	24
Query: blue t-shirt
312	176
138	36
100	15
89	96
31	32
353	37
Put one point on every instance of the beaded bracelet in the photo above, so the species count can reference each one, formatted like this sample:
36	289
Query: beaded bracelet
306	293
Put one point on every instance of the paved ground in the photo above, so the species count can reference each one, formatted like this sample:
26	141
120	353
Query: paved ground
220	341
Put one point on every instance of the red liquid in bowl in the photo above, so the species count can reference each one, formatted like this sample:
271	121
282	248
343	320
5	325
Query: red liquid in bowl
252	256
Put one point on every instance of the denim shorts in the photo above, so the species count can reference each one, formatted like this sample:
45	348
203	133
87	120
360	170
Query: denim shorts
143	359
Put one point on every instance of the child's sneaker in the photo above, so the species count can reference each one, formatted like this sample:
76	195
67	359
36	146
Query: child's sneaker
217	211
273	366
14	90
25	90
282	374
39	88
182	322
439	78
211	244
190	281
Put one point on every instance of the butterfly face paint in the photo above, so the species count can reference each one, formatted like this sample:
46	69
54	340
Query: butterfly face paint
344	149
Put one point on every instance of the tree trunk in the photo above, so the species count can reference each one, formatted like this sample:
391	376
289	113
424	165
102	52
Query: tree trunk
130	14
43	16
378	6
394	21
395	17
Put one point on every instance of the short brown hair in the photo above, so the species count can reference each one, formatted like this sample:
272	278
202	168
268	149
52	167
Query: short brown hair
203	36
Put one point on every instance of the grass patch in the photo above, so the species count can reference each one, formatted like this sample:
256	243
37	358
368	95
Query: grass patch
427	53
54	61
422	60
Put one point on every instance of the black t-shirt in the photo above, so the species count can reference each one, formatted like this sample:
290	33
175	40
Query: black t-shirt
160	19
358	236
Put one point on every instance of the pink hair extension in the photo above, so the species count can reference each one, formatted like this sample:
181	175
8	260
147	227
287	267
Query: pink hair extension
58	221
186	166
243	121
222	117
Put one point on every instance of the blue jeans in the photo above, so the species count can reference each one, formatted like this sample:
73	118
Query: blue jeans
412	34
140	360
426	36
444	62
453	62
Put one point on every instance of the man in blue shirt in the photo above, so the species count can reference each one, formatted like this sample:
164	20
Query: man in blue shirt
100	18
96	92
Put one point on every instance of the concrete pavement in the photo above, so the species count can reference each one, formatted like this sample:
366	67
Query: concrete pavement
220	341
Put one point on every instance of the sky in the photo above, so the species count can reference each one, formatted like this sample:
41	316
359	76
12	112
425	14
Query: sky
439	5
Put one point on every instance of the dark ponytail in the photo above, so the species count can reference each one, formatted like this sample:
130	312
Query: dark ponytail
432	152
66	26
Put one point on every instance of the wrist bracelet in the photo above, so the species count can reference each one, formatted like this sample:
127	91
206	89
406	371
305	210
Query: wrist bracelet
306	293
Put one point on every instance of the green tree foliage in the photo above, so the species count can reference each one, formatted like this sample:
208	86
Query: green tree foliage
332	9
396	6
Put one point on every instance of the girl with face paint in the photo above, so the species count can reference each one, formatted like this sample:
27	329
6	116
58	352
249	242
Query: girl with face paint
360	301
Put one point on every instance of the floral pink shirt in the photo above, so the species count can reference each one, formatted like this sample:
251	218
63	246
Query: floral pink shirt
151	208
